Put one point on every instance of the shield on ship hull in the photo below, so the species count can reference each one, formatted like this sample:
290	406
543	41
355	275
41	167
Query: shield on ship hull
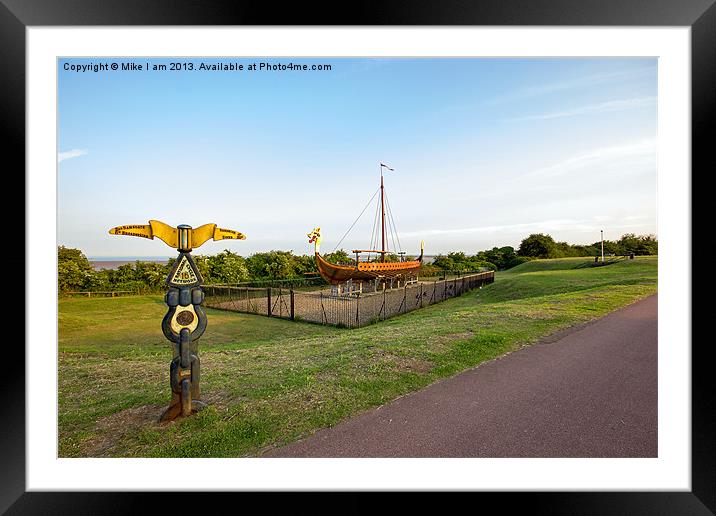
366	271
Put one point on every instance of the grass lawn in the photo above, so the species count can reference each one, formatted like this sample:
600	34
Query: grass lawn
271	381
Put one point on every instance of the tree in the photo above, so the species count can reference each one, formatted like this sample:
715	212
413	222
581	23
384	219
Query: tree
68	254
202	263
70	276
122	274
639	245
273	265
74	271
153	274
507	259
227	267
458	261
305	264
586	250
444	262
339	257
279	267
610	247
538	245
494	255
647	245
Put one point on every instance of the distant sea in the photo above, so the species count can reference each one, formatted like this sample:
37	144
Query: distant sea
112	262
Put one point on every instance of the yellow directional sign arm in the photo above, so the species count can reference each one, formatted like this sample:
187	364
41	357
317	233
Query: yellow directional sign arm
209	231
223	234
202	234
139	230
165	232
170	235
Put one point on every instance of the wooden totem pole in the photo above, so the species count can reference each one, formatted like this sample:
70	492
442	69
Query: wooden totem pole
185	321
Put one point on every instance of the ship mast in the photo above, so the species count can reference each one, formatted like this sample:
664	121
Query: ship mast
382	218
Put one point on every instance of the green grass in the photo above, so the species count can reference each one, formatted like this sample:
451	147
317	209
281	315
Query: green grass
270	381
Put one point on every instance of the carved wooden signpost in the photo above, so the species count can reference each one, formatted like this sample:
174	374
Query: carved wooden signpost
185	321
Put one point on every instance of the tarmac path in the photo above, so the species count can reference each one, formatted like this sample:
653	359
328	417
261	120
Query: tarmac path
587	392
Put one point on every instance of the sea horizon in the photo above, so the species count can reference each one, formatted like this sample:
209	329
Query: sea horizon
129	258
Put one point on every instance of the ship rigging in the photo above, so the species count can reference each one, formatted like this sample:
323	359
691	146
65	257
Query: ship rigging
371	270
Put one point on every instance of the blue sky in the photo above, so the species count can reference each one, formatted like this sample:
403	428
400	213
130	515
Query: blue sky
485	152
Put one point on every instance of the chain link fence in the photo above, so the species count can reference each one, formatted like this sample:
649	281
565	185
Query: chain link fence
346	310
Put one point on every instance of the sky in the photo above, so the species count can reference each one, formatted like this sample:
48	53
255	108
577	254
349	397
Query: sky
484	151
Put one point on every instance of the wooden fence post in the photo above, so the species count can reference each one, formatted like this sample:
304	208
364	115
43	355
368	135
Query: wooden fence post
292	307
268	296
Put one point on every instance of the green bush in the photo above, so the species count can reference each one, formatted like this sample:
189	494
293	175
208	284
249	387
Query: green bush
75	273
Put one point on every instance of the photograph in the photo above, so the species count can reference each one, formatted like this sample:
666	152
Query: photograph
357	257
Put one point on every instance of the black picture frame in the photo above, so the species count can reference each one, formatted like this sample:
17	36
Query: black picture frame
700	15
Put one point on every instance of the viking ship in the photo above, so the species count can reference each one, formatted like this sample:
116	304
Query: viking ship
367	270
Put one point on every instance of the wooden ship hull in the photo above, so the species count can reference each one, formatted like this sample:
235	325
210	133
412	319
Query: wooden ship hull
368	270
365	271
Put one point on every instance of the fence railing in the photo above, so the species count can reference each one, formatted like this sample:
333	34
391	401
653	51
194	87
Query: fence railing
308	281
346	310
450	274
108	293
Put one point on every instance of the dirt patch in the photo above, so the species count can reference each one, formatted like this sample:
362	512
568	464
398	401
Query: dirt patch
402	364
113	428
327	376
132	417
441	342
222	400
457	336
104	372
412	365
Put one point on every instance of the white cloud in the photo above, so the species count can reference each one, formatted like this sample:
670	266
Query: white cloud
604	107
546	225
593	224
600	156
74	153
568	84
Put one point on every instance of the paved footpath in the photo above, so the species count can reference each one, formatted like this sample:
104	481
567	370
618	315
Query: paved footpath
589	392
